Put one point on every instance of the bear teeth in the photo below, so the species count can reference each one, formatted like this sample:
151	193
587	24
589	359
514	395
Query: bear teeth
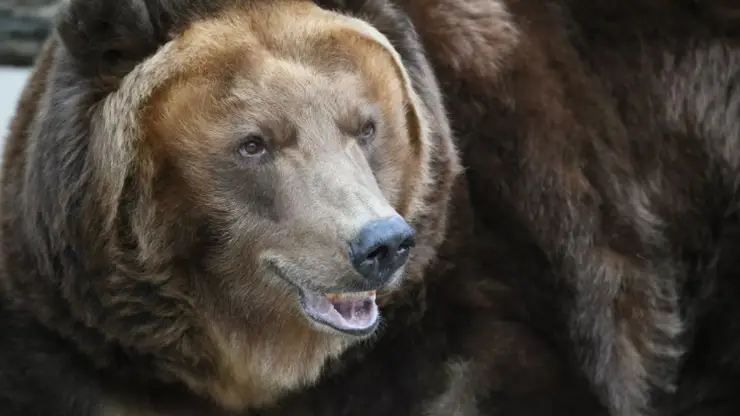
349	295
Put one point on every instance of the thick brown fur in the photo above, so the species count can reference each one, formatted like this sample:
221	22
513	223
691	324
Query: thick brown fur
587	267
599	141
140	241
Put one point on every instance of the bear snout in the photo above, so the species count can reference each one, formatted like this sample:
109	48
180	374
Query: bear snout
381	248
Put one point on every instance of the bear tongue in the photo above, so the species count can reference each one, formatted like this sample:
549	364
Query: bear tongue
345	311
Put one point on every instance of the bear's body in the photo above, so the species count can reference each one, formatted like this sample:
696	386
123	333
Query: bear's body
587	267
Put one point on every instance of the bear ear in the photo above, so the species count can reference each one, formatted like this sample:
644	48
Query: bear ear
107	38
418	118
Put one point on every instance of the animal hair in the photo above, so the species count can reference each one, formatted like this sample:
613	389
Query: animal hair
581	263
96	261
608	152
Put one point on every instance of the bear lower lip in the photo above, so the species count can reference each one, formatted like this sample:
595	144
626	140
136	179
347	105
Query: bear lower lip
352	313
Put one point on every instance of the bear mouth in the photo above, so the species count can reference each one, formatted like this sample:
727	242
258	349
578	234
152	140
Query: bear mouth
353	313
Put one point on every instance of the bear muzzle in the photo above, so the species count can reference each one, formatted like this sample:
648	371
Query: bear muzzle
373	261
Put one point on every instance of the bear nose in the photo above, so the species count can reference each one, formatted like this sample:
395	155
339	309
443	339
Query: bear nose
381	247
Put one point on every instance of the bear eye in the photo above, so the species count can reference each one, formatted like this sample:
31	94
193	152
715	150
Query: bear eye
367	131
252	146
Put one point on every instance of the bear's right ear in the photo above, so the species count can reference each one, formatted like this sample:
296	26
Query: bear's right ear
107	38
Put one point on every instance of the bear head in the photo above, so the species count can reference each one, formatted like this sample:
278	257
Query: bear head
214	193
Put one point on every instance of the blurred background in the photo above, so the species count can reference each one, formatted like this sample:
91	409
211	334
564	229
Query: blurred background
24	24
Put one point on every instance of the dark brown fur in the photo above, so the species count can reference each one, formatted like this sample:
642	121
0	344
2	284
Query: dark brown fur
588	266
599	141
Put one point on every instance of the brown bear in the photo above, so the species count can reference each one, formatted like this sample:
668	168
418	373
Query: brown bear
599	141
600	146
200	200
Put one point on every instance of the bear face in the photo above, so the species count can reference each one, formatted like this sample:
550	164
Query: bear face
291	159
220	201
299	153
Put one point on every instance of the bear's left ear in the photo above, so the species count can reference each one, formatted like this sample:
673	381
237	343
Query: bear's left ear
107	38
